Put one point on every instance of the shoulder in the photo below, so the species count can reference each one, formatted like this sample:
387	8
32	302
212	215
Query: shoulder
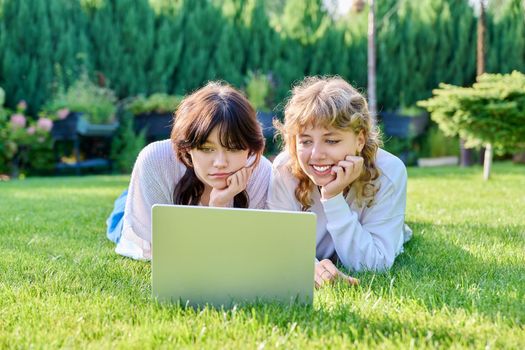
159	159
157	151
393	170
281	170
261	173
281	160
264	166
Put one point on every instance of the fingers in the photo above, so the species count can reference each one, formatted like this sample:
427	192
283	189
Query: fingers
352	167
327	272
238	181
233	181
354	158
330	267
352	281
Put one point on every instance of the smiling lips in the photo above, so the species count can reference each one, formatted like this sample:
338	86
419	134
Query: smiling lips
321	170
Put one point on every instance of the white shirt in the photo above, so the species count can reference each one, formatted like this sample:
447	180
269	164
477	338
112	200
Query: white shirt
155	175
363	238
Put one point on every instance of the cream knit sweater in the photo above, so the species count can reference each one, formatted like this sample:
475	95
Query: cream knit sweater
155	174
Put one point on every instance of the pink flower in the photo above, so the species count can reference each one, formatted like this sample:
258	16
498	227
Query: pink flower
63	113
45	124
18	120
31	130
21	106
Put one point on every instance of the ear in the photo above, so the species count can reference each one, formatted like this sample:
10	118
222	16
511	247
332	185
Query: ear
361	140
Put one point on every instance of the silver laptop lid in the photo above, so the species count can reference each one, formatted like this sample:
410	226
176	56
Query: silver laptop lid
220	256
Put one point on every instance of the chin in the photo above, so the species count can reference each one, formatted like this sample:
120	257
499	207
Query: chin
323	181
218	185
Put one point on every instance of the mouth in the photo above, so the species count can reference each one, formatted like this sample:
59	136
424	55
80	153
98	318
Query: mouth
321	170
219	175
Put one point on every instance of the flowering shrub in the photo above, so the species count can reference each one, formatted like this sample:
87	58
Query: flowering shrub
97	103
25	143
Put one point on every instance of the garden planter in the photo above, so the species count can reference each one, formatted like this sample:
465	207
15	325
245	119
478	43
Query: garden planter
438	161
399	125
85	138
85	128
157	125
75	123
66	129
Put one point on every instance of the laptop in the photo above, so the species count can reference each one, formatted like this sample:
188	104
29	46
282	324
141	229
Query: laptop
224	256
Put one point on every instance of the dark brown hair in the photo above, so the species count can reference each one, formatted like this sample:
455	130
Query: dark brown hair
214	105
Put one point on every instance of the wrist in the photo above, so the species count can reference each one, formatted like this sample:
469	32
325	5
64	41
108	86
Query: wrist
217	203
326	195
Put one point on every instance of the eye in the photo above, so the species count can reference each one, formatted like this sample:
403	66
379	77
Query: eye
332	142
234	150
305	142
205	149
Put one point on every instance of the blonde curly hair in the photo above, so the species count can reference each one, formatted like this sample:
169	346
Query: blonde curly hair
331	102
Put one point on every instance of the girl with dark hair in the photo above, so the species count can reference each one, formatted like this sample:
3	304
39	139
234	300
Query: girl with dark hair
214	158
333	166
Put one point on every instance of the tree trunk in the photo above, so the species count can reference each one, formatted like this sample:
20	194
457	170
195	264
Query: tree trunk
465	156
481	40
480	57
487	164
372	99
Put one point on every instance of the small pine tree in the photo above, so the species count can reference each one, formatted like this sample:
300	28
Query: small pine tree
27	63
122	32
227	62
167	49
199	30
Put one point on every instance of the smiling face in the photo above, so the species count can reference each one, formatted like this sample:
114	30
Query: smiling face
214	163
319	149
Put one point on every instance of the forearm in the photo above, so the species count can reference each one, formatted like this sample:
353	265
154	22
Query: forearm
356	247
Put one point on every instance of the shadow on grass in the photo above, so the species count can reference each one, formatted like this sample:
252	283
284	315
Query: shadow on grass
439	273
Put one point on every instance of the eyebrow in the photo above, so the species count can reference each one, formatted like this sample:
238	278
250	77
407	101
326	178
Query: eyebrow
330	133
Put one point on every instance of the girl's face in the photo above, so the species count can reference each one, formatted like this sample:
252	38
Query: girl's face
319	149
213	163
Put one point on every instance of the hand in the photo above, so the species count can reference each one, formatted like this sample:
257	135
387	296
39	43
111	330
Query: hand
326	272
346	172
235	184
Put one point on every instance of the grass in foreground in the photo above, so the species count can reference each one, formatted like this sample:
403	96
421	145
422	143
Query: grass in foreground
460	282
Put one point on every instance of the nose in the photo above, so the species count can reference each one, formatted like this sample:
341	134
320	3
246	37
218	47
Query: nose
220	160
318	152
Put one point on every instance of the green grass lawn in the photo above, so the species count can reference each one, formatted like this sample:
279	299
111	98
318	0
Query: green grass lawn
460	282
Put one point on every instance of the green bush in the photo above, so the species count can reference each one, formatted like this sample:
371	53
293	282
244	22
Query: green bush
436	144
492	111
158	103
97	103
25	143
258	89
127	144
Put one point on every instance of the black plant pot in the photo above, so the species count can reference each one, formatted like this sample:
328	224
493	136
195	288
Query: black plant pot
76	134
398	125
66	129
157	125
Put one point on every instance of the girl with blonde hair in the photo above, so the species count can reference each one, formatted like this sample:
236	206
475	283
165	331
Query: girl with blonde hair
332	165
214	158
